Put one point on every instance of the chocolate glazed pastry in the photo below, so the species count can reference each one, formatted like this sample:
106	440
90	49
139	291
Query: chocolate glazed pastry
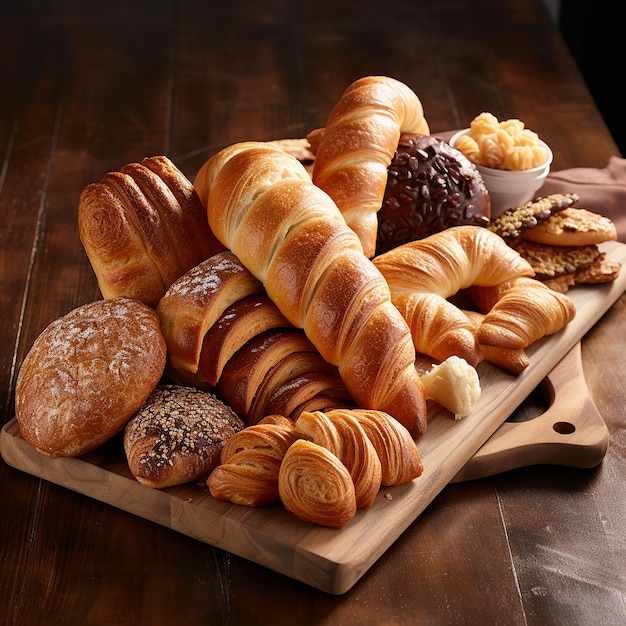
431	186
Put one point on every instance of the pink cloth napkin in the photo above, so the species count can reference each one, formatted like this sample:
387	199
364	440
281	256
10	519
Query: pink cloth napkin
601	190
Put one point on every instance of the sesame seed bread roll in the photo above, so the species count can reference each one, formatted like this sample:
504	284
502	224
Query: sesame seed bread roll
177	436
87	374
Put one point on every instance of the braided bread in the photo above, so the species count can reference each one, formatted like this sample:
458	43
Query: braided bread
291	236
358	144
423	274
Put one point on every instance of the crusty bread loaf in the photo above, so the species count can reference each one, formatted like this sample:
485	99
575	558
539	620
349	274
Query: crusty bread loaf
142	228
87	374
177	436
292	237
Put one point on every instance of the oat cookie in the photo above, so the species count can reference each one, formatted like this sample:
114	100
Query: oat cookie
555	261
573	227
602	270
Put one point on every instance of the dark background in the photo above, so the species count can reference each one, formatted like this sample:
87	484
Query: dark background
592	33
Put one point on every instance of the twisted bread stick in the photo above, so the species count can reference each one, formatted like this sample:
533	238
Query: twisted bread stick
358	144
291	236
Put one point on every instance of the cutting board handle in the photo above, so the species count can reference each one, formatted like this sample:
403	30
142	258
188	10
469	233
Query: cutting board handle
571	432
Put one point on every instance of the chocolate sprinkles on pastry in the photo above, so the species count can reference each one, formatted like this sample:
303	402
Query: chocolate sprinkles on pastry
431	186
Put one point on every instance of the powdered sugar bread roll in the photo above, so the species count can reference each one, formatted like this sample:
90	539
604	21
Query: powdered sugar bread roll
86	375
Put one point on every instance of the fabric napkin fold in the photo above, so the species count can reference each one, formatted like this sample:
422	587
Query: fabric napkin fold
601	190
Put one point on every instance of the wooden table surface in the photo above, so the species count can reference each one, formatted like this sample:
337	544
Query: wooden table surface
87	88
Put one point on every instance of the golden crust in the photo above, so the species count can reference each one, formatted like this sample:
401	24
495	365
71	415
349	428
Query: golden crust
74	391
316	486
142	228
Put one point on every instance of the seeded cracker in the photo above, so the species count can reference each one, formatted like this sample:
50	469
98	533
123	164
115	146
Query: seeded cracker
513	222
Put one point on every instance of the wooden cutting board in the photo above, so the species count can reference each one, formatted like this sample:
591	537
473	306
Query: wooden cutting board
329	559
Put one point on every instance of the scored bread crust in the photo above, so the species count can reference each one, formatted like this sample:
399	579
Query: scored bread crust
86	374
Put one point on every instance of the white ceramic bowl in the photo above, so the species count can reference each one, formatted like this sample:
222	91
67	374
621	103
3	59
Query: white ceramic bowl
509	188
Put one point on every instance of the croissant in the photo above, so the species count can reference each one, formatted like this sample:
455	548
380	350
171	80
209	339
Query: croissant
518	312
423	274
358	144
316	486
250	462
142	228
514	361
222	331
262	205
398	454
196	300
342	434
240	323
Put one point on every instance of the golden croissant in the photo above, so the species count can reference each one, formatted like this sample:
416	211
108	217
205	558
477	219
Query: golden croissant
423	274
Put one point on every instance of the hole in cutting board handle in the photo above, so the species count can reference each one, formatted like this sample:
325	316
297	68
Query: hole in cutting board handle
540	399
564	428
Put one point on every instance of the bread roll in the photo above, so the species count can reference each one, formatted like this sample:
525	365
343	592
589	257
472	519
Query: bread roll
87	374
142	228
177	436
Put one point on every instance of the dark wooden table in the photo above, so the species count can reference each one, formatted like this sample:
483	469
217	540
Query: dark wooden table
89	87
